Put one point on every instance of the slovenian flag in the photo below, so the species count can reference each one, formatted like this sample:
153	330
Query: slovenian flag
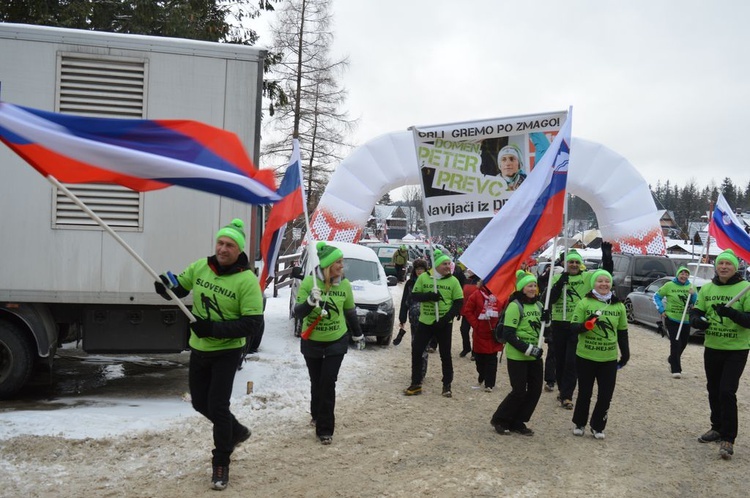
287	209
530	218
728	230
139	154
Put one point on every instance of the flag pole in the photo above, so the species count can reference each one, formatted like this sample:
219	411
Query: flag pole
311	250
547	294
120	241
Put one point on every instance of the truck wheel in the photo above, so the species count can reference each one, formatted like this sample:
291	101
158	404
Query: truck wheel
16	359
383	341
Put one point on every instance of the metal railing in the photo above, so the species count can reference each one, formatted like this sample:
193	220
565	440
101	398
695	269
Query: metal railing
283	274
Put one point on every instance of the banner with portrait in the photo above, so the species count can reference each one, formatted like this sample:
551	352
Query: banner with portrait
470	170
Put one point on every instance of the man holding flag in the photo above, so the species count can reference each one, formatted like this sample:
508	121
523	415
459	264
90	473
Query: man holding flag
723	311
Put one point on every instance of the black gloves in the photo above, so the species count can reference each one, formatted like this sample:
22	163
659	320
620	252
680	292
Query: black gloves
546	316
160	287
422	297
433	296
699	321
726	311
607	262
202	328
534	351
400	336
606	249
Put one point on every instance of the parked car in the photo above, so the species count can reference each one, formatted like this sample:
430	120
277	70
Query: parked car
372	297
639	270
640	306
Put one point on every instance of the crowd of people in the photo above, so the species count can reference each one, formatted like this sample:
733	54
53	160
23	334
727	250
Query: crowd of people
583	327
578	319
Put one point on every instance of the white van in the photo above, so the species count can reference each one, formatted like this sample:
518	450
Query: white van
372	297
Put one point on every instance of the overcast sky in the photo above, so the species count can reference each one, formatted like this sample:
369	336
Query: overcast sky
664	83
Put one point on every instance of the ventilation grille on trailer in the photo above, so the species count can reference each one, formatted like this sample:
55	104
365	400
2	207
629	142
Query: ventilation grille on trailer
101	86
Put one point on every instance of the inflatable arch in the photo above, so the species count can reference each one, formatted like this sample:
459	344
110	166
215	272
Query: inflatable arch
617	193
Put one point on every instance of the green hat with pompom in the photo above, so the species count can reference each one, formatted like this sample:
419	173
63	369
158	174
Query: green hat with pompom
524	278
599	273
729	255
682	269
327	255
574	256
440	258
235	232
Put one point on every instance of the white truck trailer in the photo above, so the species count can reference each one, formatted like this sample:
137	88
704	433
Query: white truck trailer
62	278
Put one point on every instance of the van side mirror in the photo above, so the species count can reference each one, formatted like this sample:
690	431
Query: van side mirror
297	272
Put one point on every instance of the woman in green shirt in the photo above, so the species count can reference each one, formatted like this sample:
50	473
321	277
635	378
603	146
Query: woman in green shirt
522	325
328	312
601	323
671	301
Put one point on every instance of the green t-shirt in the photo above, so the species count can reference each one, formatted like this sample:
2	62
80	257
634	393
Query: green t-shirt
337	300
600	343
723	333
449	289
576	288
675	295
528	327
220	298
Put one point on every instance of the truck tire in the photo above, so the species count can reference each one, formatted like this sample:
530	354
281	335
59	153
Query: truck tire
16	359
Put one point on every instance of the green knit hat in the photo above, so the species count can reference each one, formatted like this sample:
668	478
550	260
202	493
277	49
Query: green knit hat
574	256
327	255
728	255
597	274
523	279
682	269
234	231
440	258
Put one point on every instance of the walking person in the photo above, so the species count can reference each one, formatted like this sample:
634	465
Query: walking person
521	328
482	310
566	291
447	301
399	260
671	301
409	310
328	311
228	306
726	341
469	287
601	323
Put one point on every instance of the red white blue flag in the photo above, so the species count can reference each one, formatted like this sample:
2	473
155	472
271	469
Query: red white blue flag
728	230
139	154
287	209
530	218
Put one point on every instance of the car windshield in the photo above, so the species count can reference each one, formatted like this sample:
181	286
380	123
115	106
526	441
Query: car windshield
701	271
358	269
386	252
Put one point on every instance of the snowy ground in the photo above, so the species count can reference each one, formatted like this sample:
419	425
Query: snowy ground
385	444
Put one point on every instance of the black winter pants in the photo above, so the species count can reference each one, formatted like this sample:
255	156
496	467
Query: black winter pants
465	329
324	373
443	334
723	372
526	388
210	377
605	375
676	347
565	342
486	368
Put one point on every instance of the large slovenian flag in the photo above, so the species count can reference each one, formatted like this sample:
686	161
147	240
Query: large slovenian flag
728	231
530	218
139	154
287	209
